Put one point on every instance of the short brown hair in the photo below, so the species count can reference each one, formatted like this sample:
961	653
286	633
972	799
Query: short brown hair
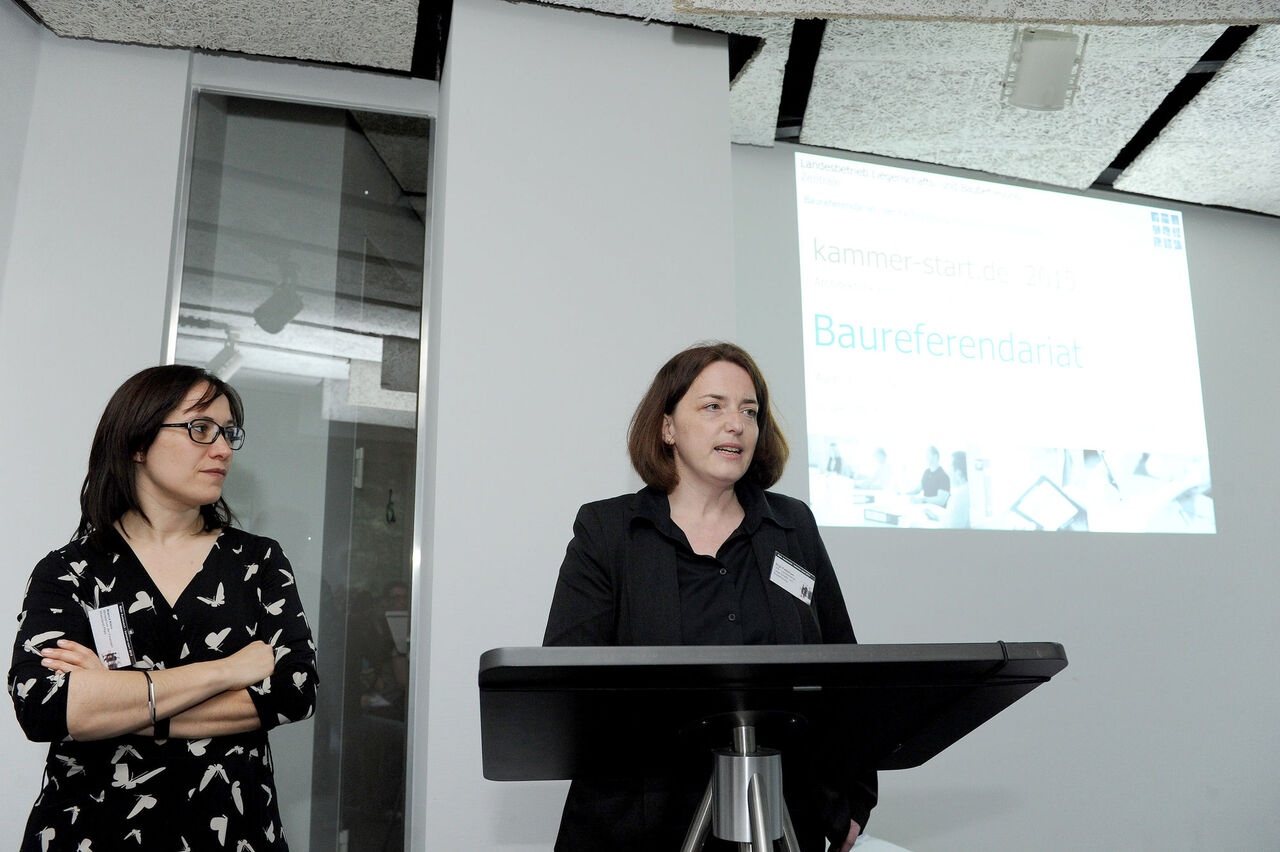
655	460
128	426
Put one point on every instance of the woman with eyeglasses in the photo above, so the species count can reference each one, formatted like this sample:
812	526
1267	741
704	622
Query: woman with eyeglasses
157	648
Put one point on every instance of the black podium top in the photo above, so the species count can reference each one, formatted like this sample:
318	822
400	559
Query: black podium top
552	713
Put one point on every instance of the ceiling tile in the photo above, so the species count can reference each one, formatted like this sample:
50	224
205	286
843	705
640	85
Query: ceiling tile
1224	146
1034	11
371	33
931	92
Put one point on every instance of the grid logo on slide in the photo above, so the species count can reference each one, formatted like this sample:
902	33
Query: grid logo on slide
1167	230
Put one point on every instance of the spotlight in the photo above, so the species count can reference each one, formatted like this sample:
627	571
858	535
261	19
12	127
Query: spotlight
281	306
228	360
1043	72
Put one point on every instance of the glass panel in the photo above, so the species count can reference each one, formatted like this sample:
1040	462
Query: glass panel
302	284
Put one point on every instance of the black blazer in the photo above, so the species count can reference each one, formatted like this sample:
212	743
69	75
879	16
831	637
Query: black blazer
618	586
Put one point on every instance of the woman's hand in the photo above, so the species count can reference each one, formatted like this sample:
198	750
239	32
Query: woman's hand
70	656
102	703
252	663
854	831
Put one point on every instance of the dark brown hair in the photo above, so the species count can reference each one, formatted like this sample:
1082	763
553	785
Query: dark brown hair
655	460
129	426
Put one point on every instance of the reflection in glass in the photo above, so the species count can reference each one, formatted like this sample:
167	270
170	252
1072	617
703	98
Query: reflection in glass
302	284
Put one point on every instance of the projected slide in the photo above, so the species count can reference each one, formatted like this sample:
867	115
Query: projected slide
988	356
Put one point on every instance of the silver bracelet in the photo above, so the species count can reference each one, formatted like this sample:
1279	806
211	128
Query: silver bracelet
151	696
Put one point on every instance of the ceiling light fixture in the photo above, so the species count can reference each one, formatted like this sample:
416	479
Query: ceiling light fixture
1043	72
229	359
281	306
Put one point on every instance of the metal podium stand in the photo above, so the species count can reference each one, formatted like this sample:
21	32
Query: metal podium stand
561	713
743	801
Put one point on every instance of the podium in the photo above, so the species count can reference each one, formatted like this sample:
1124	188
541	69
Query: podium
563	713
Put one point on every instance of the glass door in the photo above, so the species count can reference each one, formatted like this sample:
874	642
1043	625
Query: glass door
302	285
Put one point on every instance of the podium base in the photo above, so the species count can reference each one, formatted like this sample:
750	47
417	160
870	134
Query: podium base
743	801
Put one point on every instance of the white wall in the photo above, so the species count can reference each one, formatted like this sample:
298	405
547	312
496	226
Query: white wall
1161	733
83	293
21	38
585	236
18	63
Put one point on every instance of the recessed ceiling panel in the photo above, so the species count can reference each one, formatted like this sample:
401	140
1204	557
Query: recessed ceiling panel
757	88
931	92
1224	146
1040	11
402	143
371	33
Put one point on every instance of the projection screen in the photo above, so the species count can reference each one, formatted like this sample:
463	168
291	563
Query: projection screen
980	355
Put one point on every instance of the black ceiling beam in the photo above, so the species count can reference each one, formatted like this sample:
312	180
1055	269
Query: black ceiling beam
430	39
806	42
1181	95
742	49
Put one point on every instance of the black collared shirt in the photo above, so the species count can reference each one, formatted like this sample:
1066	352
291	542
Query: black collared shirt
722	598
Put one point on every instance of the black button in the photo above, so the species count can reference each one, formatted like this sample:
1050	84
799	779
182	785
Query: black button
733	617
724	570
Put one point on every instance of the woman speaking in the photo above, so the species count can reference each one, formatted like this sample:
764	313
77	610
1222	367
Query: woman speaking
157	647
688	561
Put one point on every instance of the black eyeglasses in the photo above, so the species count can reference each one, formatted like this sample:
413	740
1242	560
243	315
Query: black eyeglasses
205	431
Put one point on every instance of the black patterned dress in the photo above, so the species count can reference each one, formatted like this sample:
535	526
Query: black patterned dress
135	792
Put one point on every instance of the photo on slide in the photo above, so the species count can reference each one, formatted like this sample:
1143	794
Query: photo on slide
891	483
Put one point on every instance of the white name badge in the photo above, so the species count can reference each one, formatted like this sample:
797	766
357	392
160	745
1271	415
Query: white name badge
111	636
790	576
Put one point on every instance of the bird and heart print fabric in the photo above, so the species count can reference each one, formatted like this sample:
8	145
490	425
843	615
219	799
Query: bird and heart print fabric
139	792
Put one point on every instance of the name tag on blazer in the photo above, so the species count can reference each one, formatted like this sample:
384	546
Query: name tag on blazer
790	575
